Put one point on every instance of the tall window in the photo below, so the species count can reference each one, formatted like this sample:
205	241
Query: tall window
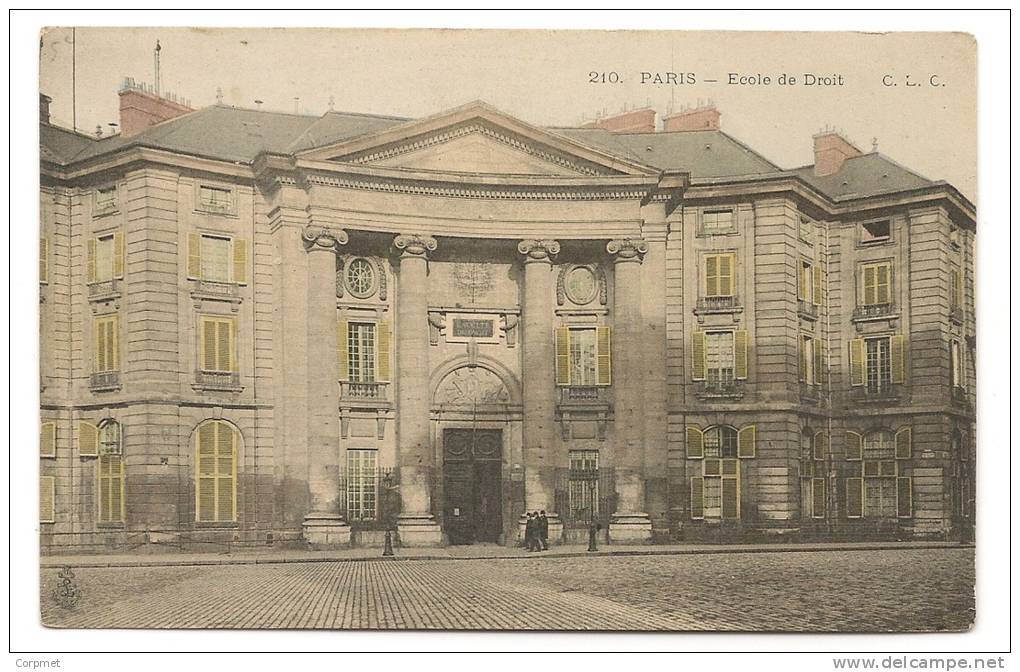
805	288
879	475
813	449
110	474
876	284
217	258
218	344
583	490
878	364
955	289
106	343
717	221
807	360
719	272
216	445
361	346
955	364
362	494
105	257
721	473
719	357
583	356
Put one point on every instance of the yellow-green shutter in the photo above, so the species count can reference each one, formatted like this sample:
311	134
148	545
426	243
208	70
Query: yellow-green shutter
90	261
869	285
231	358
341	349
904	508
740	354
821	445
954	288
44	259
854	446
711	275
562	356
727	274
111	488
802	286
746	441
113	342
697	497
898	357
226	451
194	255
698	355
88	439
47	497
48	439
118	254
819	352
903	444
730	498
819	287
817	497
383	352
857	350
854	497
695	443
603	349
240	261
205	472
802	358
207	345
883	284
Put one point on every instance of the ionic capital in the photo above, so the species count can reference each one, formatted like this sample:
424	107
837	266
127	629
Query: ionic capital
415	244
627	249
323	238
538	250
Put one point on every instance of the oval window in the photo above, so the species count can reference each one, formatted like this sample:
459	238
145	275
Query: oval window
580	285
360	278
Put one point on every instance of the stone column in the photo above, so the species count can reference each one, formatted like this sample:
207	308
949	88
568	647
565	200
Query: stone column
630	521
323	525
416	524
539	381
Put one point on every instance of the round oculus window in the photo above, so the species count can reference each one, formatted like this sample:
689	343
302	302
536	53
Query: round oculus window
580	285
360	278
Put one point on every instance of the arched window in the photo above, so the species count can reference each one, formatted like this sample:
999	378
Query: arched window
720	441
110	473
216	444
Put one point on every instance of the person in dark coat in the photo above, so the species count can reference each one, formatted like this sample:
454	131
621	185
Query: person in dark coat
529	532
543	531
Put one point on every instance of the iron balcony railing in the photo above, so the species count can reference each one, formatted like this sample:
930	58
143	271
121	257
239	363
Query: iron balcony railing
104	288
218	380
361	391
213	288
709	303
721	386
864	312
105	380
807	308
583	394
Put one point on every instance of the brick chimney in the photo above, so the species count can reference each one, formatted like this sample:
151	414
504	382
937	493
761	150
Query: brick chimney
44	108
634	121
831	150
142	106
701	118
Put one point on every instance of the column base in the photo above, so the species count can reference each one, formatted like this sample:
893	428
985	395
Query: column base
555	529
419	531
630	528
323	530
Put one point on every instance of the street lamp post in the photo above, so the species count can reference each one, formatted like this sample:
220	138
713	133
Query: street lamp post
592	532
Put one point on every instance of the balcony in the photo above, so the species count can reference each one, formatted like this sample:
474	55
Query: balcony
215	291
875	311
364	394
104	290
226	381
584	395
876	393
717	304
104	381
720	388
807	310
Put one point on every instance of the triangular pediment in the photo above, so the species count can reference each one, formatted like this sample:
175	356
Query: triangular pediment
477	139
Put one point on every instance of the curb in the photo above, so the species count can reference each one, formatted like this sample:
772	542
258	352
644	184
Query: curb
45	562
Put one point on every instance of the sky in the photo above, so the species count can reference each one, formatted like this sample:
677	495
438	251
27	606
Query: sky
544	77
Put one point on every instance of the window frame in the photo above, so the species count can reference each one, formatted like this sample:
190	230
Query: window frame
873	241
703	216
357	480
229	209
882	382
237	440
718	256
374	360
105	454
233	364
862	295
98	323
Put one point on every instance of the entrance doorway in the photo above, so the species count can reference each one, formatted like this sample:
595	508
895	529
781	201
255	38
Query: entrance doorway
472	485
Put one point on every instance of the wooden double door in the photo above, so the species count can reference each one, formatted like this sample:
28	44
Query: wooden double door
472	485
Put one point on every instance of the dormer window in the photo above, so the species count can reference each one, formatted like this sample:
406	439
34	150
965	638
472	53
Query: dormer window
875	232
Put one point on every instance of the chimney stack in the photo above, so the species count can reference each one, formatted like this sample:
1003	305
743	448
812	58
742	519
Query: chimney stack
831	150
44	108
141	106
700	118
634	121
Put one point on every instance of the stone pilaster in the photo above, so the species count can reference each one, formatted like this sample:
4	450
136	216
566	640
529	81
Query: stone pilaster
416	525
630	521
539	381
323	525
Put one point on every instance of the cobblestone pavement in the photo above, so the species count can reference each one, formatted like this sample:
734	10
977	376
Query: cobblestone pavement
888	590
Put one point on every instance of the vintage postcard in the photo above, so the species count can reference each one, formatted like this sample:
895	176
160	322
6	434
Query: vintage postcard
507	330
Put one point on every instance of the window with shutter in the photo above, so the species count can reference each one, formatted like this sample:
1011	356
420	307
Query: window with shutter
819	285
104	258
88	439
361	352
216	444
48	439
697	497
384	351
698	355
807	360
818	350
218	345
804	287
341	349
216	255
820	446
903	447
240	261
110	474
118	254
740	354
583	359
695	443
562	356
603	348
719	274
854	446
730	499
955	289
47	499
194	256
904	507
857	350
854	497
898	362
817	497
747	441
877	284
106	344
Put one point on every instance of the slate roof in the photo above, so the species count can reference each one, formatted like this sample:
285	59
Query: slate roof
239	135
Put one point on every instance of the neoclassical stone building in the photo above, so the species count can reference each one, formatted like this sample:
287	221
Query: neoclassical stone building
262	328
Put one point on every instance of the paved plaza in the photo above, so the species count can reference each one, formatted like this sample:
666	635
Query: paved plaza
911	589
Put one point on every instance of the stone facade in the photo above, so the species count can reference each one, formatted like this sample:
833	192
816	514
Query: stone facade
438	326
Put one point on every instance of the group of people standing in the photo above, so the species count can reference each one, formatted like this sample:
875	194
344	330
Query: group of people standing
536	531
